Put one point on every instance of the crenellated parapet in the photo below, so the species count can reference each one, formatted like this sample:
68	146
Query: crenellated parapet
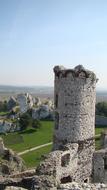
78	72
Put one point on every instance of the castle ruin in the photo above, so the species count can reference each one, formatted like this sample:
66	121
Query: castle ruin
75	96
73	163
74	157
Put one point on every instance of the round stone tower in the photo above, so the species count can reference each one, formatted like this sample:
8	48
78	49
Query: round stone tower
75	96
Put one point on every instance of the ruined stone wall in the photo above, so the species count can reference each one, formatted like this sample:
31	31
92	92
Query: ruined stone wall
103	139
61	164
100	166
75	97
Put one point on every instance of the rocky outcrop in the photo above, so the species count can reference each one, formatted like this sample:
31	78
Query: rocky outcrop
43	112
37	101
6	127
10	162
25	102
11	103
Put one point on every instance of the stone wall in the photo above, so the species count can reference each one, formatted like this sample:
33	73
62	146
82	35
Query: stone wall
61	164
104	139
100	166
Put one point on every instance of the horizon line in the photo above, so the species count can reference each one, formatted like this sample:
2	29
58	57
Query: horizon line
41	86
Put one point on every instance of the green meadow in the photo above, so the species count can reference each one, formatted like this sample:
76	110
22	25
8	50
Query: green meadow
20	141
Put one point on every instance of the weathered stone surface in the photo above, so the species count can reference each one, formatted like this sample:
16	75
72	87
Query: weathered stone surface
11	103
49	102
75	97
60	164
6	126
26	183
100	166
104	139
84	186
25	102
14	188
38	101
44	182
10	162
43	112
22	101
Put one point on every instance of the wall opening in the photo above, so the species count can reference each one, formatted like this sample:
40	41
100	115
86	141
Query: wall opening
105	163
67	179
56	101
81	146
86	181
56	120
65	160
82	74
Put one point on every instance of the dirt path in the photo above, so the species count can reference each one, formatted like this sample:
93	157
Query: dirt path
34	148
41	146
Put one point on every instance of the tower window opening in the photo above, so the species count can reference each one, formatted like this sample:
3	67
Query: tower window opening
56	100
86	181
56	120
105	163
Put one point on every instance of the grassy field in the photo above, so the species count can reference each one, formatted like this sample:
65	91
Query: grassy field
30	137
32	159
99	129
3	113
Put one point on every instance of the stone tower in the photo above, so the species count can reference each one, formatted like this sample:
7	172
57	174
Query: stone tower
75	96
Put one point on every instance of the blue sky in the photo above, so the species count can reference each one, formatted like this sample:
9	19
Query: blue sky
36	35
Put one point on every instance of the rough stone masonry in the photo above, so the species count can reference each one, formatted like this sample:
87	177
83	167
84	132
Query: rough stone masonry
75	96
74	158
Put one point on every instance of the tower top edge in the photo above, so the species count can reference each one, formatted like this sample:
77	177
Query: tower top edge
76	71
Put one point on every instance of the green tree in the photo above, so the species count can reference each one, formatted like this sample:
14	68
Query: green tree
36	123
101	109
3	106
24	121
